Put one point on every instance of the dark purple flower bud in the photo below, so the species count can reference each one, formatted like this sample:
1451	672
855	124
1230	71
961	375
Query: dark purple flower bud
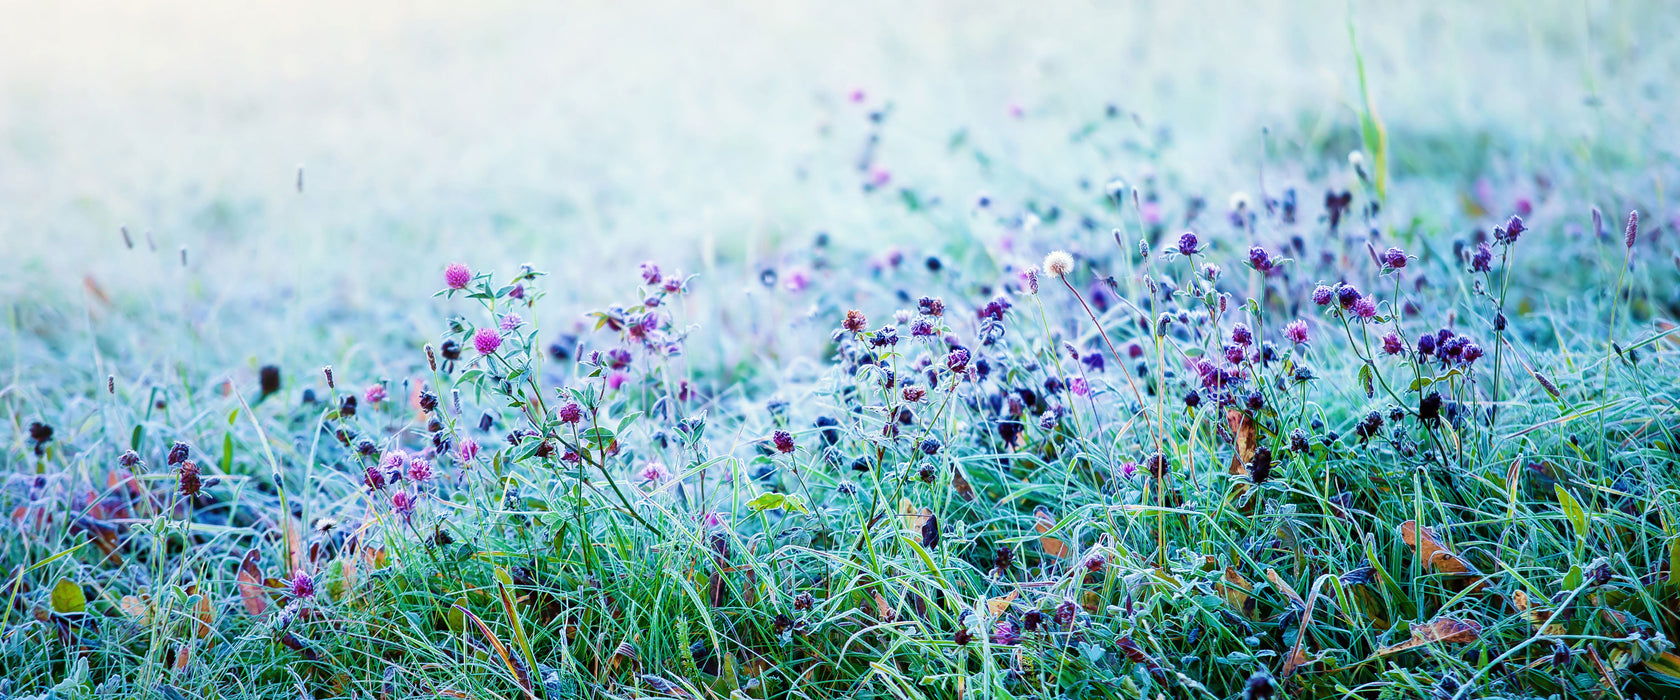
177	454
1394	258
570	413
1260	259
1192	399
922	328
1365	308
1188	244
1392	344
1347	295
957	360
931	446
931	306
1482	260
783	441
1631	232
1241	335
1323	294
1426	345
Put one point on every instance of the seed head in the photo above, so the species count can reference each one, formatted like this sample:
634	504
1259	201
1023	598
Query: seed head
1631	232
177	454
1058	263
855	322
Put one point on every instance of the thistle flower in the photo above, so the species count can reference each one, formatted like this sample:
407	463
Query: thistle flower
486	340
301	585
1058	263
1296	332
783	441
457	276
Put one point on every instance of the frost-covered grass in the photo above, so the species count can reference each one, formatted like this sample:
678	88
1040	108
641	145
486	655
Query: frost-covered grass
923	392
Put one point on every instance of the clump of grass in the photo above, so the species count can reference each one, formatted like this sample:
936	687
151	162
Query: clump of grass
1218	455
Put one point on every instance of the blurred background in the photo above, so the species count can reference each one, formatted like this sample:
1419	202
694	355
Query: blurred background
586	136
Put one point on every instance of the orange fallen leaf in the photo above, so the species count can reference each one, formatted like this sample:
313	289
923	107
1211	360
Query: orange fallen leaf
1044	521
250	579
997	606
1444	630
1436	556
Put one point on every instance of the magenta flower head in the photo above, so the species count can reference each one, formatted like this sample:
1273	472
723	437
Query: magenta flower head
374	477
958	359
1129	469
1365	308
302	585
375	393
1296	332
1394	258
1241	335
511	321
469	450
420	470
403	503
1509	233
650	273
655	472
1078	386
571	412
1323	294
1188	243
616	380
1392	344
457	276
486	340
1004	634
783	441
394	460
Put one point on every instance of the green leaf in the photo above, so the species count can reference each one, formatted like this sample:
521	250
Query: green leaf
134	439
599	436
67	597
227	452
625	422
796	504
1572	580
1572	510
769	501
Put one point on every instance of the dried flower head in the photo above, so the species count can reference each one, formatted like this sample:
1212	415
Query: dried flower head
191	484
855	322
1058	263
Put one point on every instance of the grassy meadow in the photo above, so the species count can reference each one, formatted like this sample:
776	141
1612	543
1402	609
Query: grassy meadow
1165	350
